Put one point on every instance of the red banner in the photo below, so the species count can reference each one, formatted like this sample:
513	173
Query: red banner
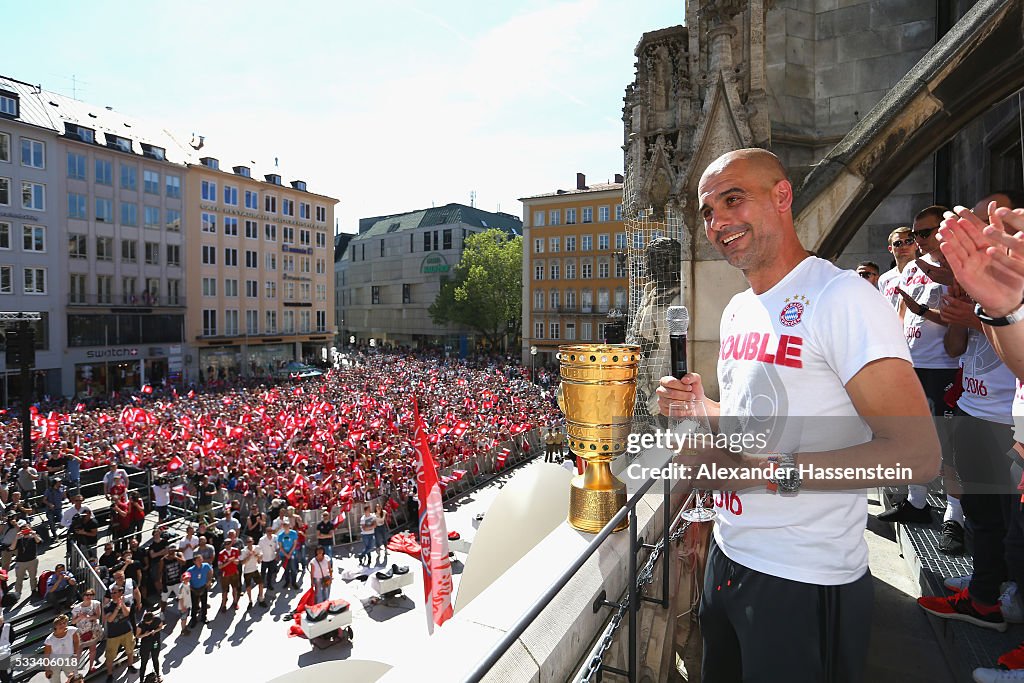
437	568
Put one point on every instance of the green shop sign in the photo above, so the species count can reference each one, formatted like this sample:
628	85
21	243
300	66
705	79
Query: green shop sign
434	263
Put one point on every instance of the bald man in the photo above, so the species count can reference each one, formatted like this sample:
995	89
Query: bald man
812	360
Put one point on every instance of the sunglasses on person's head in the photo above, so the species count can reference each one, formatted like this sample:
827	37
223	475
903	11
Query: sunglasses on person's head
899	243
924	234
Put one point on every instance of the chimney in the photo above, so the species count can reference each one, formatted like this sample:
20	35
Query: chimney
619	178
581	181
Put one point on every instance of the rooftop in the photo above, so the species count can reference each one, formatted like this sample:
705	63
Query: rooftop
449	214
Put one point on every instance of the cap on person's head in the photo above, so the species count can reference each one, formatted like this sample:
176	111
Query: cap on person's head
22	524
286	522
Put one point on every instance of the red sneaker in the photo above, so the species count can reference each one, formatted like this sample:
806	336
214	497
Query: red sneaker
961	607
1014	659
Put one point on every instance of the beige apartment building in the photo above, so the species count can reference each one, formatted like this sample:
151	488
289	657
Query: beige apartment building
259	272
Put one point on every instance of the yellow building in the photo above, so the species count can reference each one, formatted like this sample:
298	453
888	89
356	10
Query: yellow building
260	272
574	269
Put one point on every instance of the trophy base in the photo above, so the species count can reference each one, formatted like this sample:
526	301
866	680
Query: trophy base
591	509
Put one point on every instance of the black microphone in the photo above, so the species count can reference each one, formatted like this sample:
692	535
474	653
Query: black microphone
678	320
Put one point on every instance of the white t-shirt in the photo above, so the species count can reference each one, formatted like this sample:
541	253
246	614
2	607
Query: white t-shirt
924	337
252	559
787	354
887	285
62	647
161	495
188	546
1018	413
988	384
269	548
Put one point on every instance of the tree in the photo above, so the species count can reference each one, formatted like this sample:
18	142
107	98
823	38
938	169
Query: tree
486	293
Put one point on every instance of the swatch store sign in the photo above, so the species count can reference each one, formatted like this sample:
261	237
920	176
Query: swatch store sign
108	354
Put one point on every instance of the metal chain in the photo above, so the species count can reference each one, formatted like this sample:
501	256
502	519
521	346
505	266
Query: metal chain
644	577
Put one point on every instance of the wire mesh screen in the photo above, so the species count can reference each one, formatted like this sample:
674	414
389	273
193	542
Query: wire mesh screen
654	253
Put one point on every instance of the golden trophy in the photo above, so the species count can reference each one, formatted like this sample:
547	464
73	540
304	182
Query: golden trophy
597	394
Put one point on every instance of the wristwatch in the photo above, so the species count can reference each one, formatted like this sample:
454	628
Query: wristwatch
1009	319
785	478
921	311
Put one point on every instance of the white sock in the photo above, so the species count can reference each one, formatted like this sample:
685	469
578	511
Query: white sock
917	495
953	511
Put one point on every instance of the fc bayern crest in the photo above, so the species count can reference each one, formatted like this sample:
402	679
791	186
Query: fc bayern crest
791	313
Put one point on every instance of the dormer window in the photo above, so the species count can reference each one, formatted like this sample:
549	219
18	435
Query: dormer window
8	104
73	130
273	178
210	162
153	152
242	171
118	142
299	185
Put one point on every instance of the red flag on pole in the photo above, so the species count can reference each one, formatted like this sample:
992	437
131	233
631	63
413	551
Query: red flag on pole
437	568
175	463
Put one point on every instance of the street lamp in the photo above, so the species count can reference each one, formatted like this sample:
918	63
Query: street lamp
533	364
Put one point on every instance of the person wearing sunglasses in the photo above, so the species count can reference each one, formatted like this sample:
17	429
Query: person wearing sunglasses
869	270
903	249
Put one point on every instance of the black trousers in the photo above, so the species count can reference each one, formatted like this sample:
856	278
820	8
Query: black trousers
147	652
759	628
199	603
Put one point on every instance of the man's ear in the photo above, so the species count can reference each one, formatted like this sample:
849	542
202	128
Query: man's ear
782	196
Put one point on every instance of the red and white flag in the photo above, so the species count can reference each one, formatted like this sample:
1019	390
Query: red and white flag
437	568
175	463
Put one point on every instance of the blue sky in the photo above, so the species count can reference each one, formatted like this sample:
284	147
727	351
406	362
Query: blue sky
388	105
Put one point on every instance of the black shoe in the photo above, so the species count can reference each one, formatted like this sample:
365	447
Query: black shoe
133	669
951	540
262	603
905	513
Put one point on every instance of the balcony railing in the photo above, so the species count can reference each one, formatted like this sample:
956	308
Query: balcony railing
144	300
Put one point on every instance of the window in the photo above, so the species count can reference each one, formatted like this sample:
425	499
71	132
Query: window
538	330
321	292
570	216
252	200
304	321
585	331
446	239
35	281
570	243
570	269
586	269
304	236
209	222
287	207
602	268
6	279
620	241
33	238
374	294
538	219
406	294
173	292
252	259
5	142
620	298
554	329
104	289
321	214
152	253
321	266
538	245
128	290
231	226
602	301
288	322
5	235
538	270
151	182
554	244
271	289
321	240
270	262
555	271
588	214
321	321
288	235
173	254
104	172
230	195
33	153
252	288
231	257
5	191
9	106
104	210
128	251
270	203
172	185
304	211
587	300
209	255
638	241
76	166
173	219
538	300
270	232
104	248
252	322
618	212
77	246
252	230
426	241
33	196
231	287
77	206
129	177
587	243
554	217
151	216
271	324
152	289
602	214
77	289
209	322
208	191
209	286
289	291
570	299
603	242
556	299
129	214
288	263
620	268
